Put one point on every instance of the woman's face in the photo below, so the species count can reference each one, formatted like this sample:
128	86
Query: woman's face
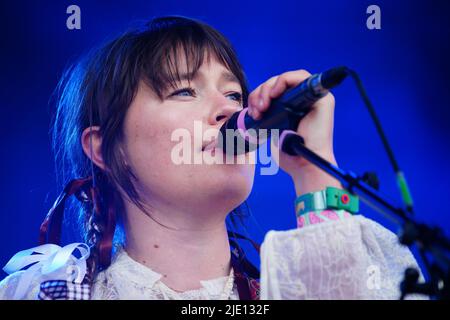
150	123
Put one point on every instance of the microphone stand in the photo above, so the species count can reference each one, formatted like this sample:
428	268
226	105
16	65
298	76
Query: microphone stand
430	240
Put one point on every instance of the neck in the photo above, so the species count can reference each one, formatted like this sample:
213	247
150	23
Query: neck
185	247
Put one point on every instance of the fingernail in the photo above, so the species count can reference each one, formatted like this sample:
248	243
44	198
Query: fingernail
261	102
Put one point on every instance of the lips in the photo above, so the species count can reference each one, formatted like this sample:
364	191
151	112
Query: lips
210	145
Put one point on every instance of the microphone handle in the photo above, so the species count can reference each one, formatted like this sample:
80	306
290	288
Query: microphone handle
280	115
285	112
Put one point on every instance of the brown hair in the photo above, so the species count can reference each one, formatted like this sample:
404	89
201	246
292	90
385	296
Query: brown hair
98	90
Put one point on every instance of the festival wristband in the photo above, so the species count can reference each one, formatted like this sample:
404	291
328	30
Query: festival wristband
329	198
314	217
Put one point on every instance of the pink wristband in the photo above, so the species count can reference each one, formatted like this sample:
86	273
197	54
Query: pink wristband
314	217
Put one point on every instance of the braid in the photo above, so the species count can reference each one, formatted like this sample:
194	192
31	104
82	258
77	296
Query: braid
92	226
99	227
92	239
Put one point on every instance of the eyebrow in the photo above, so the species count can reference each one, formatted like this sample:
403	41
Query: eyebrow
229	77
225	76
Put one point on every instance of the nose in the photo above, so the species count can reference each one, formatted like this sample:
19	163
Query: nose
223	109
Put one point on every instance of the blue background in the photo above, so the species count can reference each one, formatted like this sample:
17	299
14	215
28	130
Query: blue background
404	67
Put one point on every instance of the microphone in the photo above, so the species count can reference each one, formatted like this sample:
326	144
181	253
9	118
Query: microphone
241	133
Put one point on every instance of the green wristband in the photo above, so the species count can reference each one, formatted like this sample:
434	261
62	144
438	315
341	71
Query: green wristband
330	198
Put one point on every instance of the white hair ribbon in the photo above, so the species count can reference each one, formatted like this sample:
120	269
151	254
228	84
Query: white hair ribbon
49	261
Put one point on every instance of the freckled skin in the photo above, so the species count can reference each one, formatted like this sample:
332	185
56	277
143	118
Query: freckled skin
148	127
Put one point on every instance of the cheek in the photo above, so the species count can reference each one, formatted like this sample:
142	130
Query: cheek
148	148
144	139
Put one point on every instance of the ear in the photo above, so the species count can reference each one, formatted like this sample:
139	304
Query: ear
93	134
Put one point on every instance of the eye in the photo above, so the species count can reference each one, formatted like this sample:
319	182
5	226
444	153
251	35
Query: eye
183	92
236	96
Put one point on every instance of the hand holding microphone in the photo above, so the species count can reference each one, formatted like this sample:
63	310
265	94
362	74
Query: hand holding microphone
308	97
303	93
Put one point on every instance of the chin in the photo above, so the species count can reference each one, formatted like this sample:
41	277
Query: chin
232	181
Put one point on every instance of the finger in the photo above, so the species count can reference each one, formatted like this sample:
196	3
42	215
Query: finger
264	95
264	99
275	86
288	80
254	99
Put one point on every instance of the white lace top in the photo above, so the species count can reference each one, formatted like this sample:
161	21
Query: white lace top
128	279
354	258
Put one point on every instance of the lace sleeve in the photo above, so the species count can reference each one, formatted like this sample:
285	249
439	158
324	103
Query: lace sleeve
353	258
